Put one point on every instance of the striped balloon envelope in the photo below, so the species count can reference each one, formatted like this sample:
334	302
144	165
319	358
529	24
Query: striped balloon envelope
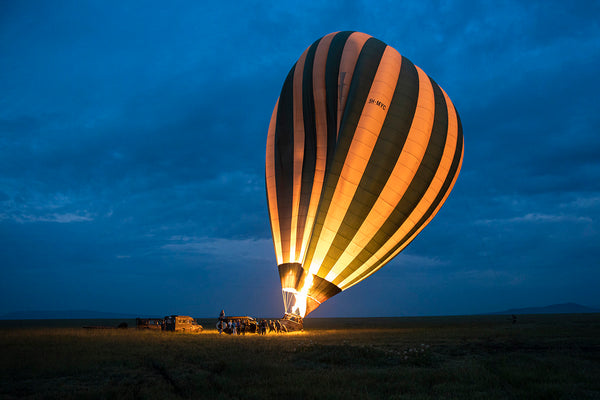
363	149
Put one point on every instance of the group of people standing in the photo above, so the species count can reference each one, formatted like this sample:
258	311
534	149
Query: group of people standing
237	326
232	327
273	326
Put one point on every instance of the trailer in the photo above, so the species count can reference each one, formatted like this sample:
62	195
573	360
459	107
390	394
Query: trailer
149	323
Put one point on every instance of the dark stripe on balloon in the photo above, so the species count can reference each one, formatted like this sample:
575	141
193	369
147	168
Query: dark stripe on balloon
310	145
362	80
284	161
386	152
332	70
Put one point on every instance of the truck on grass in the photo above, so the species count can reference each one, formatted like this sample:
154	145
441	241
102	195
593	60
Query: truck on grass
181	323
170	323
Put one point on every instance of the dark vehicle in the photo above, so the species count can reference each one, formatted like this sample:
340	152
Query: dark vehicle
181	323
149	323
250	325
292	322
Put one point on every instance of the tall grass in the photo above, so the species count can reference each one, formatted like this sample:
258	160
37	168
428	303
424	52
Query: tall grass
550	357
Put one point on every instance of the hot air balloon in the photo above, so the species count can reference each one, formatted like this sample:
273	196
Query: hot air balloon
363	149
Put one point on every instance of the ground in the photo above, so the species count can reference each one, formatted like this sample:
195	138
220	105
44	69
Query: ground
477	357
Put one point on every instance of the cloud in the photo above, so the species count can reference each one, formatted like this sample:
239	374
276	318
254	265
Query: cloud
30	205
132	145
226	250
538	218
54	217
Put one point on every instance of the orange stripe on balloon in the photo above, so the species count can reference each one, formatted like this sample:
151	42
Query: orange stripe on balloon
320	100
271	186
298	154
352	49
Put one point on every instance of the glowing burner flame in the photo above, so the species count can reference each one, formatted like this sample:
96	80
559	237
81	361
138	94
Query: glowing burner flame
301	296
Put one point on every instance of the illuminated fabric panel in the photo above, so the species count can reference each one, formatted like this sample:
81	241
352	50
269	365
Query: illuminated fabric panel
407	185
313	184
358	95
283	166
347	64
430	186
304	139
271	189
362	151
392	169
302	156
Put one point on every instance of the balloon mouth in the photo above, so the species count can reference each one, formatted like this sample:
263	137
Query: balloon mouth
303	292
295	302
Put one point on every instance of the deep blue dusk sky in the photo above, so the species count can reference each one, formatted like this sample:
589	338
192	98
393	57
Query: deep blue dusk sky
132	147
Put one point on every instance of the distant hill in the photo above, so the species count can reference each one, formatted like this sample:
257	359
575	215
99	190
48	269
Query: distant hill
565	308
65	314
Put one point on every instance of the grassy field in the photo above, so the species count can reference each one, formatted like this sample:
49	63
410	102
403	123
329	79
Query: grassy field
475	357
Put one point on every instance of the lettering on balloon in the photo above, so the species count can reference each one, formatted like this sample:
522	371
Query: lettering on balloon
377	103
